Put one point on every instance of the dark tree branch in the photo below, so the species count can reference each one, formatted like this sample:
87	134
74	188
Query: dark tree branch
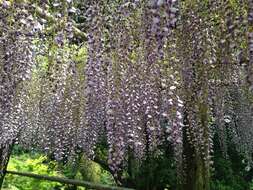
42	13
68	181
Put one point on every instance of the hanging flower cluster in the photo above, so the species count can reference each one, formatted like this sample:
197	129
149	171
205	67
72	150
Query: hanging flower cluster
16	61
153	74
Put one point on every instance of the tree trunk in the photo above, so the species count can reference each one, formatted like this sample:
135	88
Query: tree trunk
196	173
195	95
74	170
5	153
3	168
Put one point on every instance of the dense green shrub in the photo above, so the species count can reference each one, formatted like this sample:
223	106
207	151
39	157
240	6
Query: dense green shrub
30	163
